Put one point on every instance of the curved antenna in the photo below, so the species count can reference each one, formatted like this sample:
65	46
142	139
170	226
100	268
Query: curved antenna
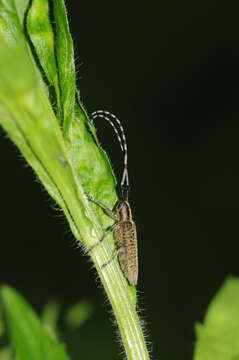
94	115
123	144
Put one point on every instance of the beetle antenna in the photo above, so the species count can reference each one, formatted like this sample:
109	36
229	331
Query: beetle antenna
113	120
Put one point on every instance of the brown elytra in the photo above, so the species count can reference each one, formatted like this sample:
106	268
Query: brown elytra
125	235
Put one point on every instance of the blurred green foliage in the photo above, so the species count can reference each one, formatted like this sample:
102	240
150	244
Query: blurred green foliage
78	314
28	337
218	337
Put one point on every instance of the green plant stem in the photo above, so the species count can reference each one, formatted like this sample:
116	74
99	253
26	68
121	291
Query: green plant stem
50	149
28	118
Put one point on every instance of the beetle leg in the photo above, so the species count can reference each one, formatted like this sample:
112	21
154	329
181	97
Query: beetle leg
104	236
107	210
111	259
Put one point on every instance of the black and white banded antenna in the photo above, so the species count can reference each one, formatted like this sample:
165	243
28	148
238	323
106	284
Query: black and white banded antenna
113	120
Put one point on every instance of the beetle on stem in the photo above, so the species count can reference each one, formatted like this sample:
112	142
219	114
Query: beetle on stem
124	228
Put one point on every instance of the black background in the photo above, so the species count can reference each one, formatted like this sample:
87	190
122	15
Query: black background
169	71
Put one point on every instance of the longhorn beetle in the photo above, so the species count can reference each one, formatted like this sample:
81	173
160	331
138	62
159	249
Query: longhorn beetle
124	228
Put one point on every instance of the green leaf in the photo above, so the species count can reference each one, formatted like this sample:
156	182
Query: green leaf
41	34
93	168
11	19
28	337
20	97
66	65
218	337
21	81
21	7
12	13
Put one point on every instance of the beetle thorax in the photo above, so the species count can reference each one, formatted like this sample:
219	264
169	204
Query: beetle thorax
123	211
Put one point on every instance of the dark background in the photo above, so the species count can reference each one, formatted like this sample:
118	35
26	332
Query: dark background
169	70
